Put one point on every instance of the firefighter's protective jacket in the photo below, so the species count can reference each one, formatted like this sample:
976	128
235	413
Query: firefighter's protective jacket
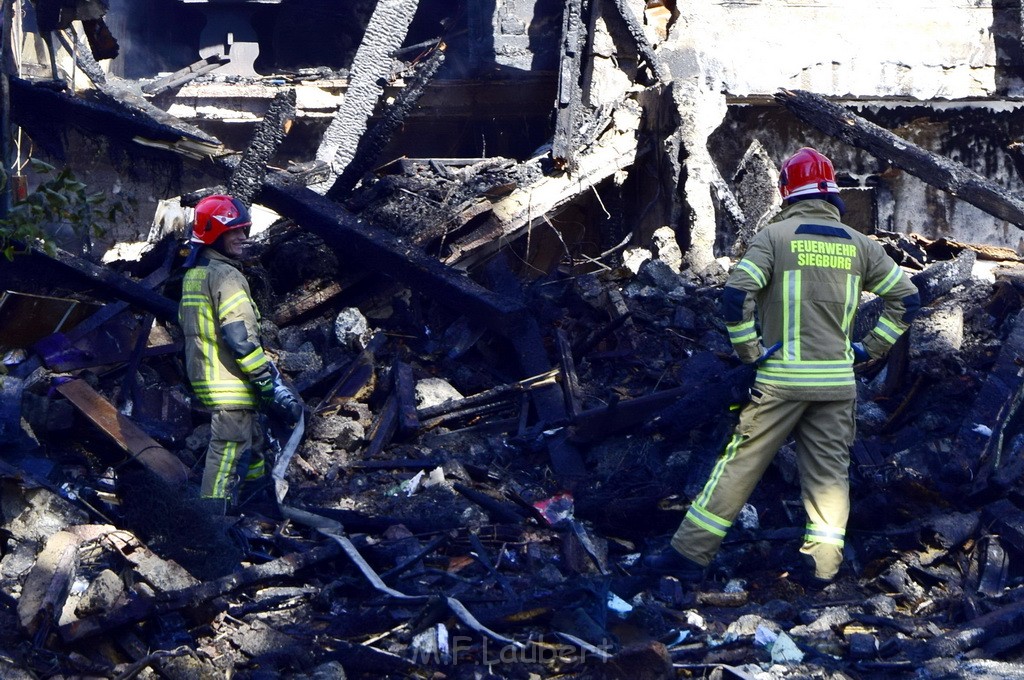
223	353
804	274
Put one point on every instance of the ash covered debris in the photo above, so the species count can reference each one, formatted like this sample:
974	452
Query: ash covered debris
508	399
461	503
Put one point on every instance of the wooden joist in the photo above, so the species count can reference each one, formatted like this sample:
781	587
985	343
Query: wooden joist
126	434
936	170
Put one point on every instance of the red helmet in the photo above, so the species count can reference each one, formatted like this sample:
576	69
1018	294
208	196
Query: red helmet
807	172
218	214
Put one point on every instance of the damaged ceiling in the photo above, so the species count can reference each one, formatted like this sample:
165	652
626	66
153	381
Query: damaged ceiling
494	236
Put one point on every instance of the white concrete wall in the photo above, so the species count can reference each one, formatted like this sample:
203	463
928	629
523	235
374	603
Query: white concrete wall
924	49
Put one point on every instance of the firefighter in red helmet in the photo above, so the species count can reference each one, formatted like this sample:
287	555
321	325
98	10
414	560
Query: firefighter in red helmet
798	284
224	358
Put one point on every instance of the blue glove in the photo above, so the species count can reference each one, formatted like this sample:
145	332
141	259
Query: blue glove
860	353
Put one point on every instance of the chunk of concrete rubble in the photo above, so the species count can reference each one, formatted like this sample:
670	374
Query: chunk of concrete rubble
352	329
435	391
101	594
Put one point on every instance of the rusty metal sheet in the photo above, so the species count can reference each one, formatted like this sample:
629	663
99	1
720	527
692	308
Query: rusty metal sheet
124	432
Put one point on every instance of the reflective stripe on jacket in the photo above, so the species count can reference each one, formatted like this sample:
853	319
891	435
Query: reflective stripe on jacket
214	295
804	274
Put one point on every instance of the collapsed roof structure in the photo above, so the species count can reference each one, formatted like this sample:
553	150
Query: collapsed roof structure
494	236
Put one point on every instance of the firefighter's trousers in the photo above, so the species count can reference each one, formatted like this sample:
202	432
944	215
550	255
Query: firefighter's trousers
235	452
824	431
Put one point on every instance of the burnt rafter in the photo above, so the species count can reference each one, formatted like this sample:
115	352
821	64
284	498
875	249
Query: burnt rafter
934	169
248	176
376	138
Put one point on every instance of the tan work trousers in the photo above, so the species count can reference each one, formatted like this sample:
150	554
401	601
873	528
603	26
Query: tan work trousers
824	431
235	450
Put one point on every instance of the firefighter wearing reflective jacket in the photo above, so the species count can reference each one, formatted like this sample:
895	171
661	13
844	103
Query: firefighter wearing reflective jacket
803	276
224	359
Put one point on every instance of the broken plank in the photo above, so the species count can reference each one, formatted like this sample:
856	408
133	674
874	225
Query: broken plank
184	75
936	170
305	302
124	432
570	100
405	395
526	207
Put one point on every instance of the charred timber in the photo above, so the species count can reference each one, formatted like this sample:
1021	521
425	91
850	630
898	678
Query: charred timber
355	239
931	168
116	285
373	142
570	100
250	172
45	114
643	45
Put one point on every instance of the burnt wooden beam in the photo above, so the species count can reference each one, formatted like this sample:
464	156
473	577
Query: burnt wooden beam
643	45
373	142
370	72
44	113
248	176
405	396
115	284
569	99
356	240
125	433
936	170
184	75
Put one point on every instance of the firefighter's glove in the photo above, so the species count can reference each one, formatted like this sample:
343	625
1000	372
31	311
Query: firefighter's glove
860	353
285	405
264	391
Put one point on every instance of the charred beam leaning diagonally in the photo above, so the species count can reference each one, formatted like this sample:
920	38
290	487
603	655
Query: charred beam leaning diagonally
370	68
936	170
376	138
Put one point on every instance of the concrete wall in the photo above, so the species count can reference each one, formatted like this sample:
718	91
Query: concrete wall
923	49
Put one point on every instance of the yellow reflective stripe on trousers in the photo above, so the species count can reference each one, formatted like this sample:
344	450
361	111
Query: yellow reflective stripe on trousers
753	271
890	280
716	473
227	464
708	521
741	332
791	281
816	533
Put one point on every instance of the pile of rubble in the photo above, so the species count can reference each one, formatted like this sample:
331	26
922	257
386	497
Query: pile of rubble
427	532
